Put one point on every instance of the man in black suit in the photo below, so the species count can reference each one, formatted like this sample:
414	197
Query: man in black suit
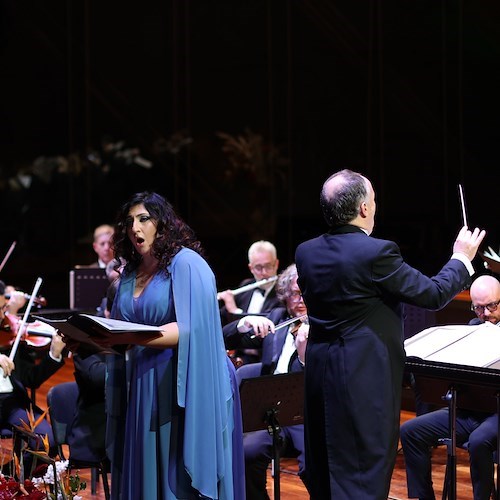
282	351
354	286
263	264
86	434
479	430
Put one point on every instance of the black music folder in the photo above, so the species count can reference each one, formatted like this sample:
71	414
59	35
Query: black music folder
84	328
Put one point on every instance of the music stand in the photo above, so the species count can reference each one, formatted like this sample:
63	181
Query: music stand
271	401
465	388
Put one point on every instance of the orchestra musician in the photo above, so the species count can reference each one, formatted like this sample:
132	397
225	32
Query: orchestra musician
101	244
22	373
283	350
263	263
479	430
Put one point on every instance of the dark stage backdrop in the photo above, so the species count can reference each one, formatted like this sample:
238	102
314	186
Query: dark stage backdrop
237	111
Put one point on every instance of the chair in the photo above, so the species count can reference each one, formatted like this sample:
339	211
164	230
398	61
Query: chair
62	403
250	370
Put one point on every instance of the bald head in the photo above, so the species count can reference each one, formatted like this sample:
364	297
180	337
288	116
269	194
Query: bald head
485	291
347	197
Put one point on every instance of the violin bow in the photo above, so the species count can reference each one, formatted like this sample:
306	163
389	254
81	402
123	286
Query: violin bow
25	317
7	255
286	323
290	321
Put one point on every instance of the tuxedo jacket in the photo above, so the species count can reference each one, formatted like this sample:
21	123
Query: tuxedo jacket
243	301
353	286
29	374
271	345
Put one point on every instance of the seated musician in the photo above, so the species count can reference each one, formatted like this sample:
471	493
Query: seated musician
419	435
263	264
282	351
86	434
22	373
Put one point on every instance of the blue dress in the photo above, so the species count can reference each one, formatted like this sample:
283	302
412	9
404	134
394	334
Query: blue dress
174	419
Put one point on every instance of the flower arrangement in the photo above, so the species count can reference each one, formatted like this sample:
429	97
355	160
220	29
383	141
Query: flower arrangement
63	487
10	488
51	480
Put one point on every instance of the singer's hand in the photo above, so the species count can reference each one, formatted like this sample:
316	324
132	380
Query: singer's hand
468	242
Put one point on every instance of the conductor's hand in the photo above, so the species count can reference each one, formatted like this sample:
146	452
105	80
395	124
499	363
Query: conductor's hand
468	242
260	325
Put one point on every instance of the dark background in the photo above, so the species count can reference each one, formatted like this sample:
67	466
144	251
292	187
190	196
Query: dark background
405	92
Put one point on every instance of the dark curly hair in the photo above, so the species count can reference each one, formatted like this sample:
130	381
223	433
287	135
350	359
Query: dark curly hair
172	233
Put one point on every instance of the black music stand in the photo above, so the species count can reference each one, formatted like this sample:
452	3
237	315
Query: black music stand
450	482
269	402
465	388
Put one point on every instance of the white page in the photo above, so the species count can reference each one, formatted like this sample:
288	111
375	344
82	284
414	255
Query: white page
431	340
119	325
481	348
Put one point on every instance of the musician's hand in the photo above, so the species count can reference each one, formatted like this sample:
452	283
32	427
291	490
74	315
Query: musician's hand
260	325
57	345
16	300
71	344
301	341
468	242
6	364
228	298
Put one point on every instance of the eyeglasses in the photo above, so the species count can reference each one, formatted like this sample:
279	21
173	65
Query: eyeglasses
261	267
295	296
492	306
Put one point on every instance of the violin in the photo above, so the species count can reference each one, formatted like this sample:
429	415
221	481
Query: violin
36	334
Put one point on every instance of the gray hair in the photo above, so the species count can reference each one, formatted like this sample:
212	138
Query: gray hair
262	246
285	282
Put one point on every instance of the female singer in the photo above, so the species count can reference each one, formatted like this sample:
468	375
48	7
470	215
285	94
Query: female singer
174	422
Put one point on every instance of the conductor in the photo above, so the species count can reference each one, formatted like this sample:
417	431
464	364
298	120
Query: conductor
354	286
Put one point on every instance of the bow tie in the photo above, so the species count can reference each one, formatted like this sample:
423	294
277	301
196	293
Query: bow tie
261	291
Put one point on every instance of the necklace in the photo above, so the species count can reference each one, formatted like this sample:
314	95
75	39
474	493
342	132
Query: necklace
142	278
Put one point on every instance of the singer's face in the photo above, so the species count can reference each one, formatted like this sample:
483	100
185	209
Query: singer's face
141	229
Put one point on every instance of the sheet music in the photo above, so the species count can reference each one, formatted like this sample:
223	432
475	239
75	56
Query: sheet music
431	340
472	345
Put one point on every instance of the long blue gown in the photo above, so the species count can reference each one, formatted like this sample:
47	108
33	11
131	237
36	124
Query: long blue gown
174	420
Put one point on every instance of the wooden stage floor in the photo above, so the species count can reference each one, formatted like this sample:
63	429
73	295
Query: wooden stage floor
291	487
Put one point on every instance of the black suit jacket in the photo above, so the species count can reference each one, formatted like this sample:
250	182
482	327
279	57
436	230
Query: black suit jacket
86	434
29	374
353	286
